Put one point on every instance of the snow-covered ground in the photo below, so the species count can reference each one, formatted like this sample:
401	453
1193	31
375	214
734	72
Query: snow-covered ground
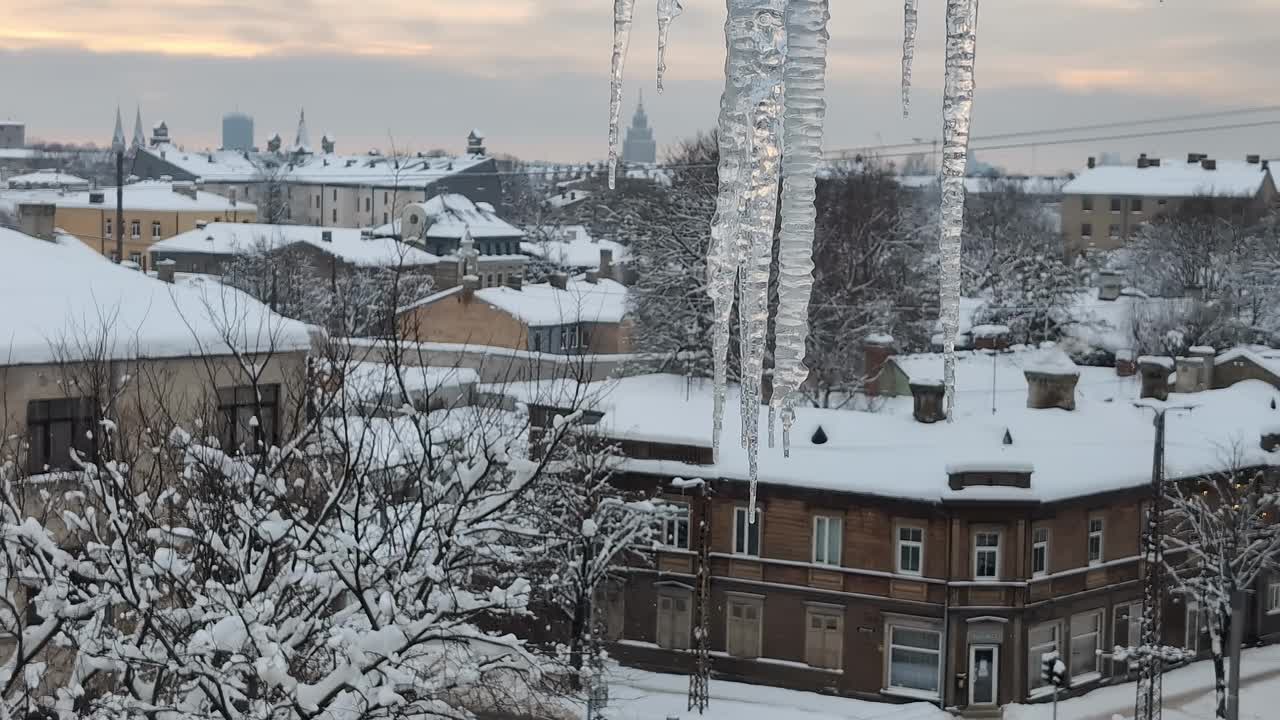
1188	694
639	695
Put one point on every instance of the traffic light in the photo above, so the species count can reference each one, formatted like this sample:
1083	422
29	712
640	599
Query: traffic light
1052	670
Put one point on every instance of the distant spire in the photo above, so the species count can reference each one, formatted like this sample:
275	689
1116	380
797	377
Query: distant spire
139	139
641	98
302	141
117	138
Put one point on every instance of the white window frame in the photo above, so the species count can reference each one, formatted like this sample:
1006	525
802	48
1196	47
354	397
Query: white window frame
107	228
155	228
1036	652
740	520
822	528
984	549
671	527
746	601
1093	674
1101	536
135	229
995	674
890	646
1043	546
902	544
674	594
1273	597
825	614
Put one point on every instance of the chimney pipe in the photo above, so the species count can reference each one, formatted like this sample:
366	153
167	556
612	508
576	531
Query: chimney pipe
164	270
1093	162
470	283
1208	164
606	263
1193	158
928	402
593	276
876	351
559	280
1253	159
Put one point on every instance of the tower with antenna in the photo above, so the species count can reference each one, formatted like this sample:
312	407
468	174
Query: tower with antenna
640	147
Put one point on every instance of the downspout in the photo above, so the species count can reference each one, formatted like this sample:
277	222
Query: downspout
946	627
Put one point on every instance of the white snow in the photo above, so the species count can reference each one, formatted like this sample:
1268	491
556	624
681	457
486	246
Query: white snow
989	331
1103	445
68	296
541	304
1051	361
1173	178
144	195
1266	358
573	247
1160	360
1046	185
372	382
452	214
47	178
347	244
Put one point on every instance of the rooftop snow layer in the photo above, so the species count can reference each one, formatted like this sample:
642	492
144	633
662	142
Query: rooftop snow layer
332	169
572	247
540	305
345	243
144	195
452	214
370	382
1101	446
1039	185
46	178
1173	178
66	296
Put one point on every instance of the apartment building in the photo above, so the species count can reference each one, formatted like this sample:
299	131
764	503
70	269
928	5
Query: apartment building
1106	204
326	188
153	211
897	557
449	223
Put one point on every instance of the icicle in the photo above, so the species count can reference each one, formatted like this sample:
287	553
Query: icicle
957	109
668	10
909	18
806	109
622	12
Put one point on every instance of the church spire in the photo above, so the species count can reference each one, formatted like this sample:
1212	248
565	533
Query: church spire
302	140
117	138
139	140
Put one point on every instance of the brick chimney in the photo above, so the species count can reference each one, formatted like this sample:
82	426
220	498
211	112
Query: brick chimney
876	351
928	402
1155	376
1093	162
1051	380
1143	163
470	283
1189	371
1109	285
1125	364
1209	163
36	219
164	270
1207	356
990	337
593	276
606	263
515	281
1253	159
558	280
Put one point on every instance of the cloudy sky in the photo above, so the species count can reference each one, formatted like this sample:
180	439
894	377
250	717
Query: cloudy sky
533	73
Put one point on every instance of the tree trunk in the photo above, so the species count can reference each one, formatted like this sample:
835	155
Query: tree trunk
1218	629
577	637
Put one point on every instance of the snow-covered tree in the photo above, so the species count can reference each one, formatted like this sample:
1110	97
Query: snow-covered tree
1222	534
1032	295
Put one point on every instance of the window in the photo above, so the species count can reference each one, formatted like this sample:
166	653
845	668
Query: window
317	201
826	540
368	204
1086	229
1135	205
986	556
1039	551
1086	202
569	334
384	198
824	639
247	420
746	536
384	218
745	615
107	228
914	658
1116	203
136	258
1127	625
1273	597
335	215
674	613
488	282
1086	638
675	529
1195	626
335	194
1113	231
1041	640
1095	541
54	428
155	229
910	549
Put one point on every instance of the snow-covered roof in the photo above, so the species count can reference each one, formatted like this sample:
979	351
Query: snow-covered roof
371	382
541	304
977	369
1101	446
47	178
144	195
332	169
1031	185
452	214
571	246
1266	358
68	297
347	244
1172	178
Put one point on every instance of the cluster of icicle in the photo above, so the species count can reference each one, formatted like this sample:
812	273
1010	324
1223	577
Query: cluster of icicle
770	129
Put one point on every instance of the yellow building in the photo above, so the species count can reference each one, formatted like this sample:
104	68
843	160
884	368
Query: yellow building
153	211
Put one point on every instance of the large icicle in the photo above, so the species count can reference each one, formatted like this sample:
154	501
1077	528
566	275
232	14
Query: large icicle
806	108
909	22
668	10
622	12
957	110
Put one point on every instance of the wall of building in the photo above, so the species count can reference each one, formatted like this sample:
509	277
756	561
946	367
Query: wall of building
90	225
13	135
469	321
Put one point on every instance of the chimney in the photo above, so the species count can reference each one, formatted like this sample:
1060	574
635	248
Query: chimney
326	236
185	188
1208	164
515	281
1266	164
1153	162
1109	285
164	270
927	403
990	337
470	283
593	276
96	198
1155	376
1207	356
559	280
36	219
1253	159
606	263
201	224
1143	163
1125	365
1189	372
1093	162
1051	382
877	348
1193	158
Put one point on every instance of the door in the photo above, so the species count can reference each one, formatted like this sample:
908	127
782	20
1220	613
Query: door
984	671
